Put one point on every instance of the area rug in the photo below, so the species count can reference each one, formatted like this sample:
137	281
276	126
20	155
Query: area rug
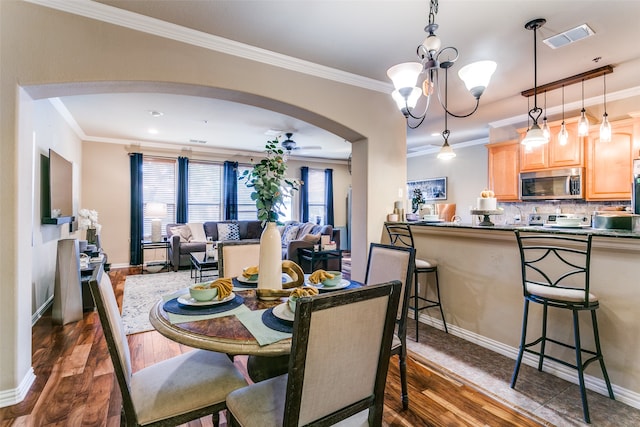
142	291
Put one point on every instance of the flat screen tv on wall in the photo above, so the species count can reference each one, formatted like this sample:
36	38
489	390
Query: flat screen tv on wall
57	189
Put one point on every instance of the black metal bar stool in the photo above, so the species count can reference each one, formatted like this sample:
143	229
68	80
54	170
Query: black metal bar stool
401	235
568	257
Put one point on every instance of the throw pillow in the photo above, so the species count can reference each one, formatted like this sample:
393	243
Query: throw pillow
289	233
228	231
311	238
197	232
183	231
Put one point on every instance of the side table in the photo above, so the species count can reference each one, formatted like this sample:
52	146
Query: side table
146	244
313	257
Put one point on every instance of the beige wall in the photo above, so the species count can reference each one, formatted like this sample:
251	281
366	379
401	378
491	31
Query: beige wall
49	131
40	46
105	188
467	176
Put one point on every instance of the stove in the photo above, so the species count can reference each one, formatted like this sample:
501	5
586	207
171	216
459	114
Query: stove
549	219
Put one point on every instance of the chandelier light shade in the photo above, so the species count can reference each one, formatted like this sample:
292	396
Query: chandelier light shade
605	126
535	136
446	152
583	123
476	76
433	57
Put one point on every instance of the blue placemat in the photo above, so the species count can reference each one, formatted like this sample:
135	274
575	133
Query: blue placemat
173	306
271	321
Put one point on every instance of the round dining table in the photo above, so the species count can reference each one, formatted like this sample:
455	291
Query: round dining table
228	335
222	334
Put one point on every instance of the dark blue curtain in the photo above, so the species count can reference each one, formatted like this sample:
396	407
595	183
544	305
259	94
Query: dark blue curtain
135	162
230	190
182	204
328	196
304	194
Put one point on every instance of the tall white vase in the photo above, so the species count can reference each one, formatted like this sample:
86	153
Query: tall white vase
270	264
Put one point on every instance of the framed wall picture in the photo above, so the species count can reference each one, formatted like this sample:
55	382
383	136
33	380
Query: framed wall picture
432	188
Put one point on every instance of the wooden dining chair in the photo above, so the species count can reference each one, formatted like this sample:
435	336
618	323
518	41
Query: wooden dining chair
388	263
235	255
172	392
338	365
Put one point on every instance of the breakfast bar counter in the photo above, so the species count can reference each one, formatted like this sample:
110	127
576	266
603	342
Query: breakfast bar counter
482	297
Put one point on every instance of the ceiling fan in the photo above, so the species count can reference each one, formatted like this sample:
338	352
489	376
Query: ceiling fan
289	144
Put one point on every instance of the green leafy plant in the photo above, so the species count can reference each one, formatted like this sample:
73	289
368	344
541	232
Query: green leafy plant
417	200
269	182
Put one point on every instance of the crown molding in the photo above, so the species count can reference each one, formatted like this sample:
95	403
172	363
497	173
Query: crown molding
146	24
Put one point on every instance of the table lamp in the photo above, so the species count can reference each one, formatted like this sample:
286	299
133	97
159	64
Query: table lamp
156	211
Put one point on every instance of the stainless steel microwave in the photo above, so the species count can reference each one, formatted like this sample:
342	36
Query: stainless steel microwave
552	184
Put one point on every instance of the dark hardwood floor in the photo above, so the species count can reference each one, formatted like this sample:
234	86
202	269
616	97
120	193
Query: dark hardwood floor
75	385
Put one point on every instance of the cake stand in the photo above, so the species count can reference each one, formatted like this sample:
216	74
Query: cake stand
486	222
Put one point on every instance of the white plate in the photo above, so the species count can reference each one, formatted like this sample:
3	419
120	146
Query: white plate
283	312
187	300
343	284
243	279
432	220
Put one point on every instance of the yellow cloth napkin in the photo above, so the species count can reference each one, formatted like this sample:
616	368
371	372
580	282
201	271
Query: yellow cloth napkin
224	286
250	271
303	292
319	276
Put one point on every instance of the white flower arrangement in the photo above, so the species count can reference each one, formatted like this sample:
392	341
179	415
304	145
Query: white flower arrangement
88	218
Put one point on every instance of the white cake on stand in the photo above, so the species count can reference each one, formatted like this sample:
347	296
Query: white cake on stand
486	204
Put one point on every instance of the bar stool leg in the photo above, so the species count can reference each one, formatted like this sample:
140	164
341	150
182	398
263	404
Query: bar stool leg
596	336
583	390
444	322
523	337
416	300
544	336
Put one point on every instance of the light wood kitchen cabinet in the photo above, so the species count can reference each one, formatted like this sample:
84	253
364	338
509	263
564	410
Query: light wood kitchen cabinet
554	155
609	163
504	159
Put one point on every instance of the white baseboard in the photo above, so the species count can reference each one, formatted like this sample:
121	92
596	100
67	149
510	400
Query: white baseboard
17	395
40	311
598	385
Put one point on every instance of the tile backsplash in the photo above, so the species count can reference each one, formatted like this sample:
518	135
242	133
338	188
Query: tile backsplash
517	213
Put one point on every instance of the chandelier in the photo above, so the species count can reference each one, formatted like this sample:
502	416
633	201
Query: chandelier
432	57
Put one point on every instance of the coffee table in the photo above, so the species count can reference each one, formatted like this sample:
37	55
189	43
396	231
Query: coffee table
311	257
200	263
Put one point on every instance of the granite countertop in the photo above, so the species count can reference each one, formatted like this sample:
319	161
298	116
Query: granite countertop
543	229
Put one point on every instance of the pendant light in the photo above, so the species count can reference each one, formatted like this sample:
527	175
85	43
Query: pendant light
545	126
446	152
605	127
583	123
563	136
535	136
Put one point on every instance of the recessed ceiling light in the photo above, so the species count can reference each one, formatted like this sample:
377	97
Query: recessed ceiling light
570	36
152	131
155	113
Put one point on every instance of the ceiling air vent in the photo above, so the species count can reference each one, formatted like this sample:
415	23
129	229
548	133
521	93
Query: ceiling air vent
197	141
570	36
